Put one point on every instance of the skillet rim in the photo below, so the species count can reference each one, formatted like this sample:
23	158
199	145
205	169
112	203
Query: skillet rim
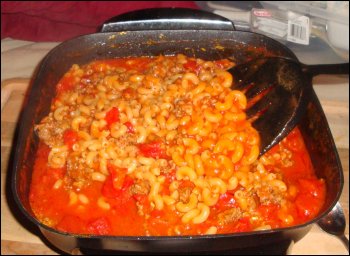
21	138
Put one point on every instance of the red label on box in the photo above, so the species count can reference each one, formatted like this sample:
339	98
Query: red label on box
262	13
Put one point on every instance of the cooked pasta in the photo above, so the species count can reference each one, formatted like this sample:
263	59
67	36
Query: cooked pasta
162	146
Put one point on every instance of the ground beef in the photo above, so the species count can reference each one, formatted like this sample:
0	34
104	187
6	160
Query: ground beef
184	194
51	131
78	174
127	139
141	187
229	216
269	195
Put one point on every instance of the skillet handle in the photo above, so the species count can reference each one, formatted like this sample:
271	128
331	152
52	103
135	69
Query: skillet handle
167	19
332	69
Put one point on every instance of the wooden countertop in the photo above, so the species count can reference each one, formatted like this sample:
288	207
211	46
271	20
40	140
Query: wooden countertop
18	237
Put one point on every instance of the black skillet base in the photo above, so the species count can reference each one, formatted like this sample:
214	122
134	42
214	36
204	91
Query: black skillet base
282	248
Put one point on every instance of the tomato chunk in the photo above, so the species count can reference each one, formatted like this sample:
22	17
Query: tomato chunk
112	116
71	224
129	93
70	137
118	179
192	66
100	226
295	141
310	198
226	201
116	183
222	63
243	225
109	191
153	149
65	84
130	127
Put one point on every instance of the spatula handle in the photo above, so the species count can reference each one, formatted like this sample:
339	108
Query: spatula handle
332	69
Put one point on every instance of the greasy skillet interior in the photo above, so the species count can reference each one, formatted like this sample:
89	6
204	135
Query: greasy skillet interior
205	44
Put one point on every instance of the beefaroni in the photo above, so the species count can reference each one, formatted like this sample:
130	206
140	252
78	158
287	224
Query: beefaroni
161	146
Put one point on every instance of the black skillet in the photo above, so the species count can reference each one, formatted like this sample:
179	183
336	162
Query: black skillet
149	33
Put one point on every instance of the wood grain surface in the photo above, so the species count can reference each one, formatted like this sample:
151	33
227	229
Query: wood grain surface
18	236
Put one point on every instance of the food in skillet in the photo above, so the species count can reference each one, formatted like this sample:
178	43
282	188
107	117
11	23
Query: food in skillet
162	146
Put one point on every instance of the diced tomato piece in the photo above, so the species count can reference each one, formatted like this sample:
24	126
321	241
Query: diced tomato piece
225	201
222	63
130	127
71	224
100	226
70	137
186	183
307	206
112	116
128	181
99	66
274	149
109	191
243	225
192	66
295	141
153	149
118	179
170	176
310	198
141	198
268	211
302	203
313	187
116	183
65	84
129	93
